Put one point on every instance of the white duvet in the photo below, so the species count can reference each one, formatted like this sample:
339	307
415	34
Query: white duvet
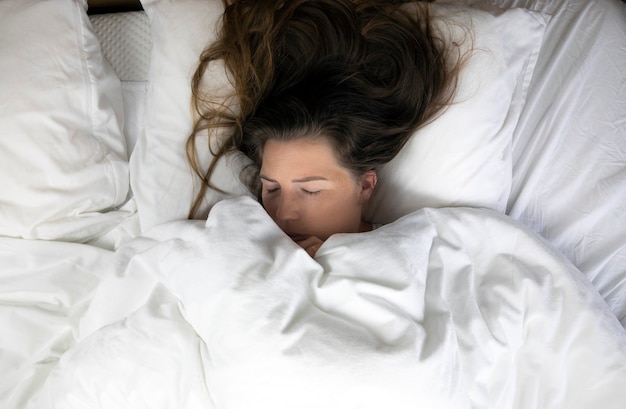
448	308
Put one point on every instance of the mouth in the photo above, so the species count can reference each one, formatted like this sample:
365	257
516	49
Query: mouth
297	237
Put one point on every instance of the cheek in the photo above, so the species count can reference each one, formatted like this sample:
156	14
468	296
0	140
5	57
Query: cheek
340	215
269	205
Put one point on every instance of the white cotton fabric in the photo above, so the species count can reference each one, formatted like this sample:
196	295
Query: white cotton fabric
463	158
451	308
569	148
63	159
45	289
162	180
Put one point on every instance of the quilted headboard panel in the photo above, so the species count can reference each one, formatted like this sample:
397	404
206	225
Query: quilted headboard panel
126	42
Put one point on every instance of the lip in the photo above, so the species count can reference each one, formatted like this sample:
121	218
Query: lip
297	237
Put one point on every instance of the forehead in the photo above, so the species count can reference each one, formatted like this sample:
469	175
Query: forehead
303	155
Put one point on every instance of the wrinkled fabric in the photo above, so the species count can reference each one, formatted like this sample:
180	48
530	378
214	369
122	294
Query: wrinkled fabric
450	308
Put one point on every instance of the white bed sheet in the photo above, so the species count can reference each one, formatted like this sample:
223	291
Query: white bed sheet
569	147
447	308
45	288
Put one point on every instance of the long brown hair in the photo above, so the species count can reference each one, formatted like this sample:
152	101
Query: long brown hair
365	74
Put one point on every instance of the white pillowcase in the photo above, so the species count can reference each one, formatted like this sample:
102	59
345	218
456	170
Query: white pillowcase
461	159
161	178
63	162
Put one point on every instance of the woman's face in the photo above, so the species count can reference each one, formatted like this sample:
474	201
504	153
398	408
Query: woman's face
308	193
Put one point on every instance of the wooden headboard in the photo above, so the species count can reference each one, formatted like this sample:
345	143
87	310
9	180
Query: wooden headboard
112	6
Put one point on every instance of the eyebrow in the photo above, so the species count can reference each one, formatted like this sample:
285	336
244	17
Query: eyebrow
302	180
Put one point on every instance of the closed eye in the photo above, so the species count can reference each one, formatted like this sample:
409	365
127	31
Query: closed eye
311	192
269	185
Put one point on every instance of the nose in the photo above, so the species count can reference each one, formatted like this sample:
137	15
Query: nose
287	208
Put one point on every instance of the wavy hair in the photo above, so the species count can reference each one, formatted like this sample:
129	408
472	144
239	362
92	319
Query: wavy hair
365	74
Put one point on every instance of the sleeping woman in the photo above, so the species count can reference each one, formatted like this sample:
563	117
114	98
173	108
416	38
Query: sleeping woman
326	92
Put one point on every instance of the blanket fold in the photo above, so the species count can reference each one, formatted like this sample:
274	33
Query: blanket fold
444	308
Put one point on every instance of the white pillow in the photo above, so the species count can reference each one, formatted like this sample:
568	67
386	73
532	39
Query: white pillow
63	162
161	178
463	158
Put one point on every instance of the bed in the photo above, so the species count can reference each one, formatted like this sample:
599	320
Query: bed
498	278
